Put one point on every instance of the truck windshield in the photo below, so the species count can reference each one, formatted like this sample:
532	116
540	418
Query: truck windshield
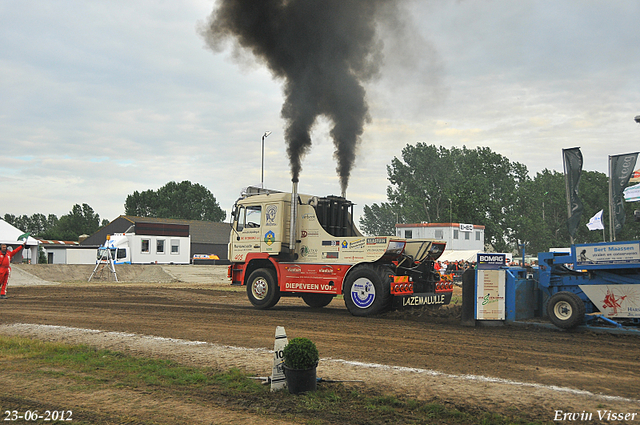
103	254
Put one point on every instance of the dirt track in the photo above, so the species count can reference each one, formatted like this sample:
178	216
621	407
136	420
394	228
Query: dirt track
536	359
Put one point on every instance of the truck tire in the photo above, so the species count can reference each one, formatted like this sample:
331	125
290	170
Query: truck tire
566	310
317	300
367	290
262	289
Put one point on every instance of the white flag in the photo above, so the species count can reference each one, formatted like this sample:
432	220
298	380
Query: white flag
596	222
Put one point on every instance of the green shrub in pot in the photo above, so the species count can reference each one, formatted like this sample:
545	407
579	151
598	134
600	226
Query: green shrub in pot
300	353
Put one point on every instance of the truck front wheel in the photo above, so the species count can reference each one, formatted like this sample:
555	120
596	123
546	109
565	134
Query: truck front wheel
367	290
262	289
566	310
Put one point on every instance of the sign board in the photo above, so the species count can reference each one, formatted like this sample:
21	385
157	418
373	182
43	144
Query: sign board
609	253
615	301
466	227
490	294
278	380
491	261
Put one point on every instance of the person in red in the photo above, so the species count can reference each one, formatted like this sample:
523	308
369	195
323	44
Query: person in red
5	266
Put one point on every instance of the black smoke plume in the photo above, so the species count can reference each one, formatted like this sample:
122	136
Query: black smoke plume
323	50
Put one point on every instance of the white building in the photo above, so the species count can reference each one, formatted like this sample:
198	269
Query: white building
68	252
464	241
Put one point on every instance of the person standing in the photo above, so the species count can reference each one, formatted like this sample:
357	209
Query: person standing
5	266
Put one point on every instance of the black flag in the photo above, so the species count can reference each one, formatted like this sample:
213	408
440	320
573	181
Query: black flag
621	168
572	169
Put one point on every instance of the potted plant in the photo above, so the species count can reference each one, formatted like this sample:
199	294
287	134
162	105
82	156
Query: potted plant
300	363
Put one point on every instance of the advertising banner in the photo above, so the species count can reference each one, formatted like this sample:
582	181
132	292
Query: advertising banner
621	168
490	302
611	253
572	159
632	193
488	261
614	300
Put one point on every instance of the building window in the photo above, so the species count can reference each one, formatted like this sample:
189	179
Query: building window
439	234
466	235
455	234
145	246
408	234
477	236
160	246
175	246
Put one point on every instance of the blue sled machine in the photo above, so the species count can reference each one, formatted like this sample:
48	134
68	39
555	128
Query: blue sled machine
591	283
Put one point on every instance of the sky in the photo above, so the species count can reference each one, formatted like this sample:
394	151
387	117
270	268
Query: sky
100	99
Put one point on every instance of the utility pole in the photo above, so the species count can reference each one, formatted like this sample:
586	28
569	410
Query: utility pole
264	136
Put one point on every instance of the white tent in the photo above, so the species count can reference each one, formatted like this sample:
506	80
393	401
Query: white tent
9	235
465	255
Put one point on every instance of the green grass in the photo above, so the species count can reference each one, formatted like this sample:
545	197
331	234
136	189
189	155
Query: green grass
90	369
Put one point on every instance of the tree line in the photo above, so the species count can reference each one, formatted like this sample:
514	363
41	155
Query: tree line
185	200
478	186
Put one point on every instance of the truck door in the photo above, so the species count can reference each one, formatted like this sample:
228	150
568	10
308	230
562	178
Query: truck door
246	238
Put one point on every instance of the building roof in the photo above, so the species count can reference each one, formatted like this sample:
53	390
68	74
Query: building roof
424	224
47	242
203	232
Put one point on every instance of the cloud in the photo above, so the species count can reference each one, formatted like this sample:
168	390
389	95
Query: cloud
101	99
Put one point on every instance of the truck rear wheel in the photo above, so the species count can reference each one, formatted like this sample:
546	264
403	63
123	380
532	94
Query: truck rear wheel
317	300
262	289
367	290
566	310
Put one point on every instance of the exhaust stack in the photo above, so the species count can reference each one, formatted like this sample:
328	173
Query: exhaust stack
294	218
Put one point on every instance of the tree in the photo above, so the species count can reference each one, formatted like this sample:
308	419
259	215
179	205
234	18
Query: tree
81	220
183	200
380	219
461	185
37	224
544	209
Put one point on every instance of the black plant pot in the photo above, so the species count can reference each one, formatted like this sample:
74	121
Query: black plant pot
300	380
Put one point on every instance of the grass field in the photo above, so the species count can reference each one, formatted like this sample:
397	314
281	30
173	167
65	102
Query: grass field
105	387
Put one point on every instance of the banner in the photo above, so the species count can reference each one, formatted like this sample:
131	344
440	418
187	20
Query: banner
596	222
621	168
632	193
572	168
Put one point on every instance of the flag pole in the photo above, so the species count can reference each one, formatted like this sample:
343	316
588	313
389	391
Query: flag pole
566	188
611	235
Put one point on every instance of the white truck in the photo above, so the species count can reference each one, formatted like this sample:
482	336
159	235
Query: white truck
149	243
289	244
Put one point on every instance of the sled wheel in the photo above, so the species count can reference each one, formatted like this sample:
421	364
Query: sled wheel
317	300
566	310
367	290
262	289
